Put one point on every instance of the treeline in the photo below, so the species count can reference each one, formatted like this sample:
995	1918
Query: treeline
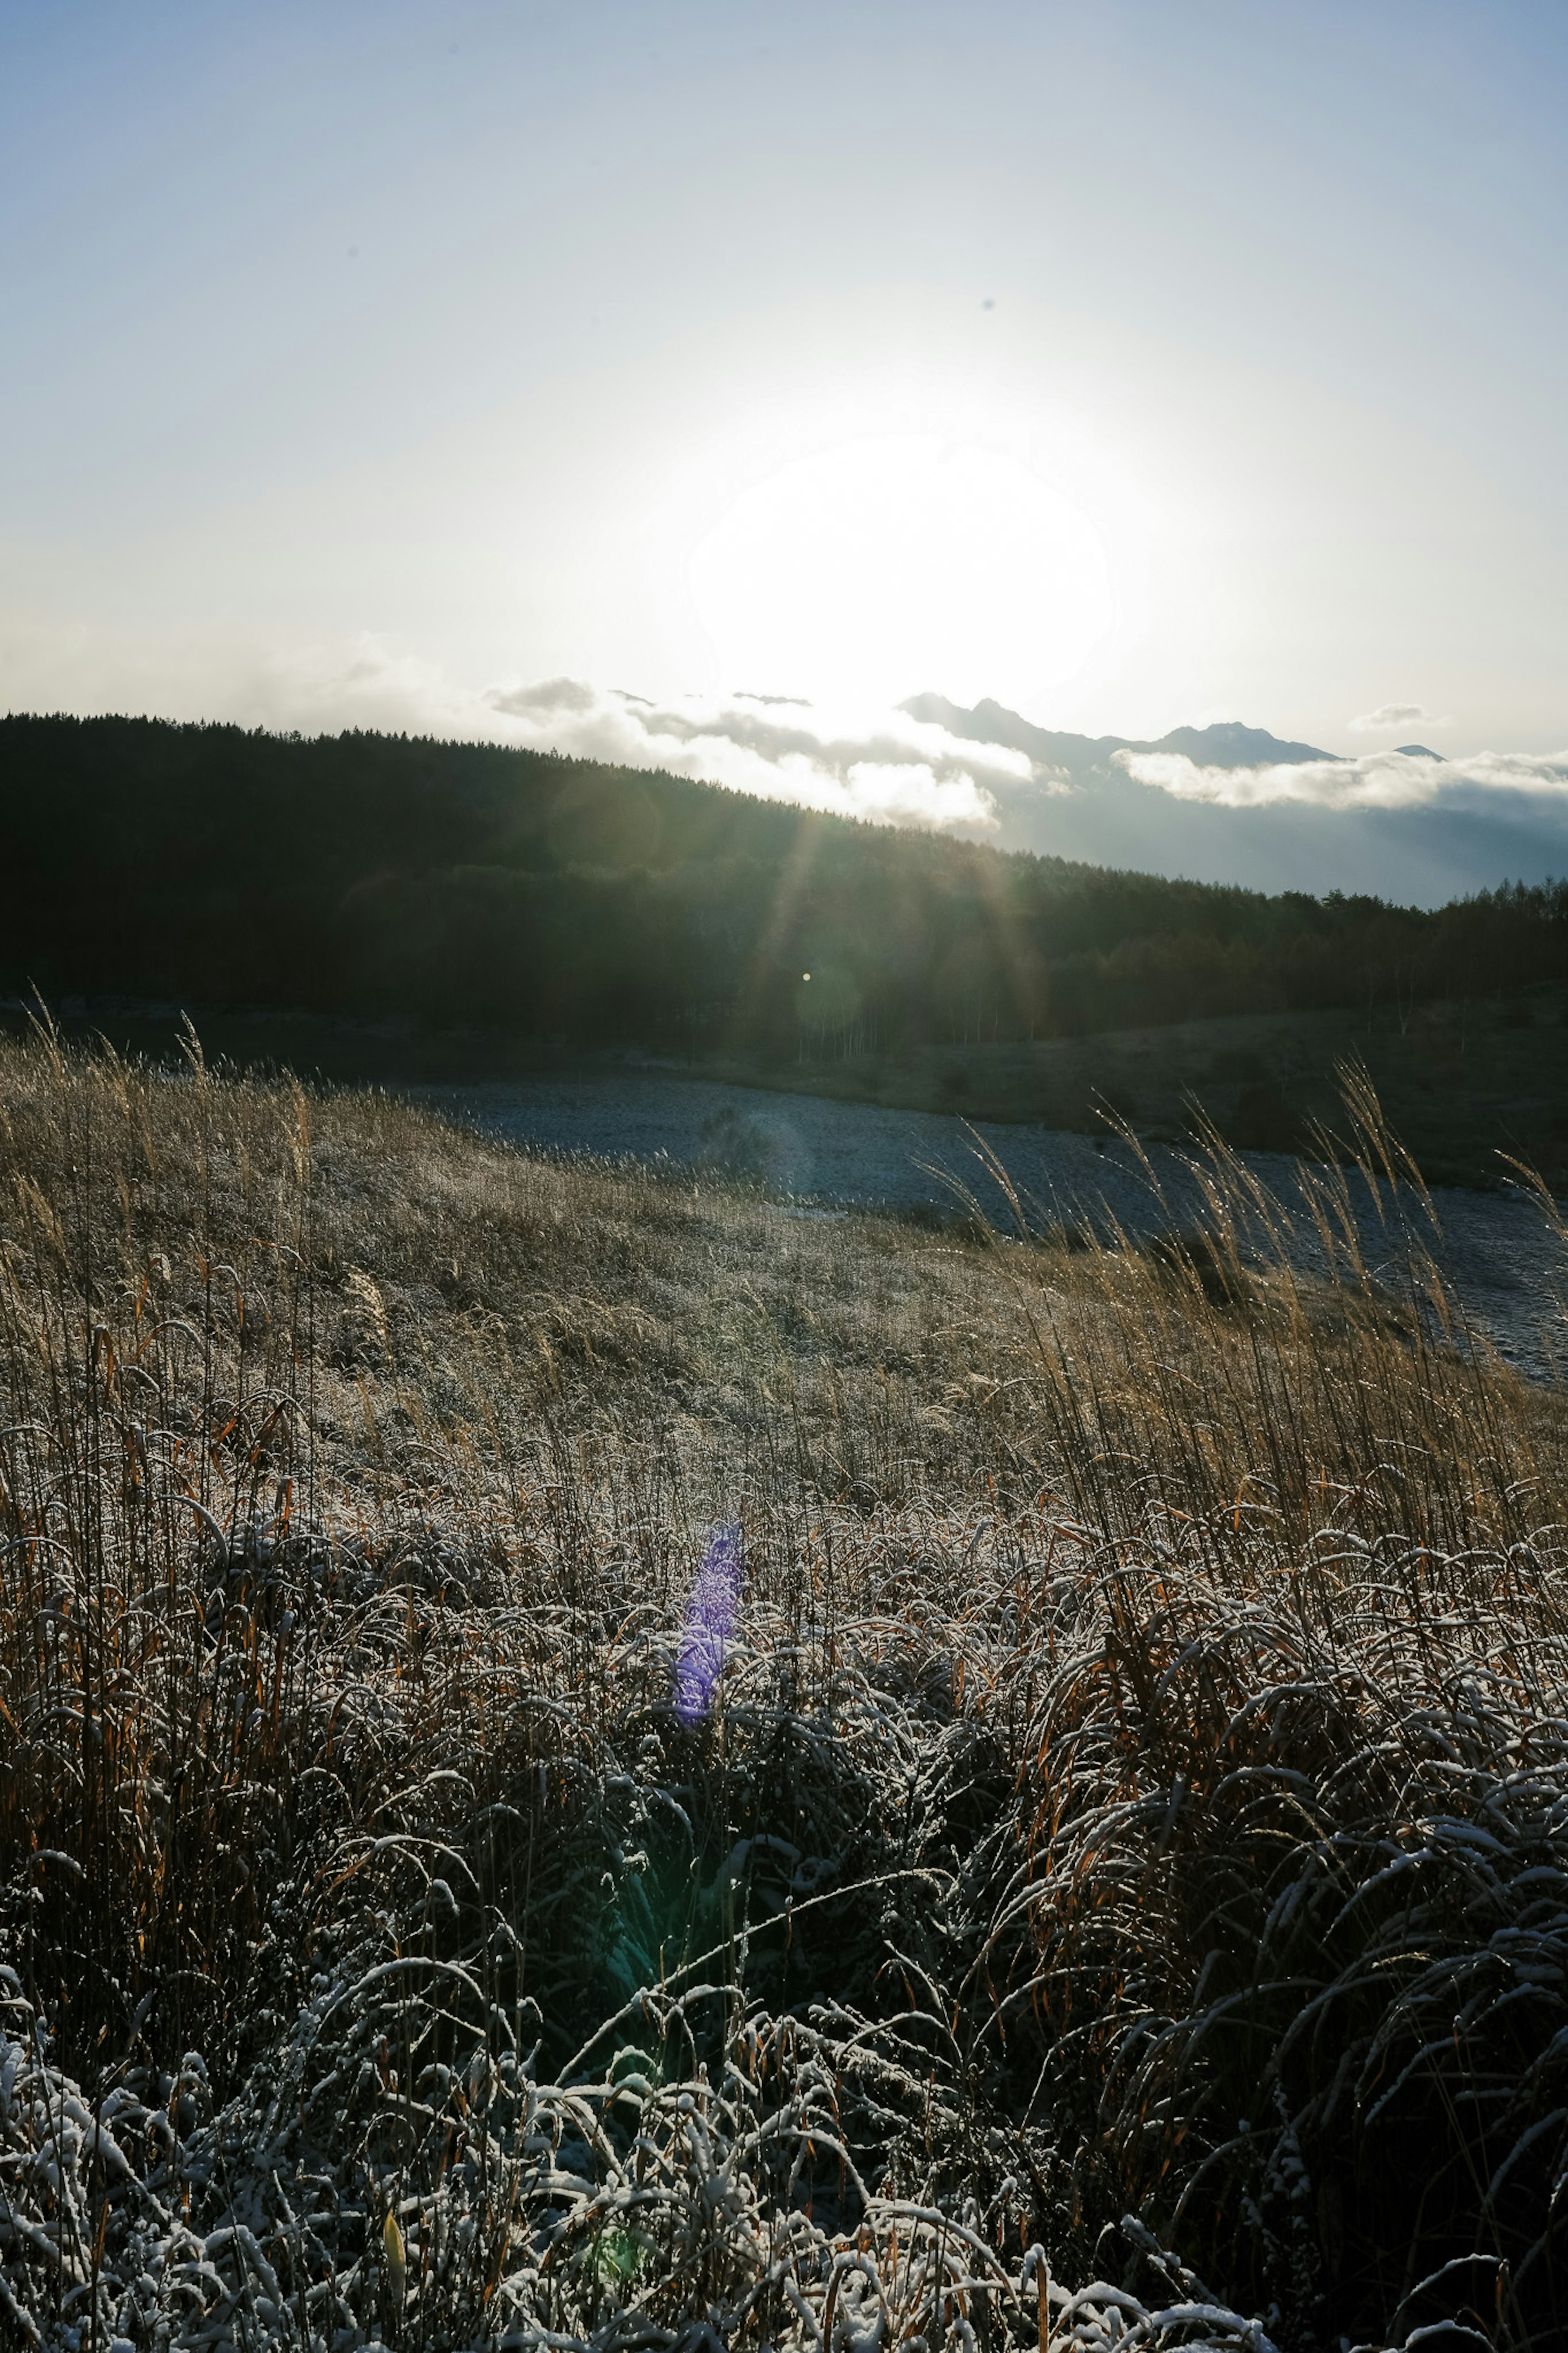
377	875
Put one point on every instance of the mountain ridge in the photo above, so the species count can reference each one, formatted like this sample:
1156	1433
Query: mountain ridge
1224	743
1081	803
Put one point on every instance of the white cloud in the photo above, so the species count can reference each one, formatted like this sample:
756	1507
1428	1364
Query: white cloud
551	695
316	685
1390	715
865	761
861	761
1383	780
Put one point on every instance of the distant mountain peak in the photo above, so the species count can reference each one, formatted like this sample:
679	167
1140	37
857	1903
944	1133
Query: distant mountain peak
1225	744
1231	744
1418	752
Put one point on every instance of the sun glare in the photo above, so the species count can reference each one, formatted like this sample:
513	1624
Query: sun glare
888	565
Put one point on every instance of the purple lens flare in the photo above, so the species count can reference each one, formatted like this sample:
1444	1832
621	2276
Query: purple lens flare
712	1608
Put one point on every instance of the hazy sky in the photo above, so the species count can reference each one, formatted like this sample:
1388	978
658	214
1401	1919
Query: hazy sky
1136	362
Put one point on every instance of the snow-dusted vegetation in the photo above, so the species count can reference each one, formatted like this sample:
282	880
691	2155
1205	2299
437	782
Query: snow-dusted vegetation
1097	1874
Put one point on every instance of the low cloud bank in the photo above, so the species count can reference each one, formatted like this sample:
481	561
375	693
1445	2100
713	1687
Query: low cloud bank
869	763
1375	780
316	685
866	760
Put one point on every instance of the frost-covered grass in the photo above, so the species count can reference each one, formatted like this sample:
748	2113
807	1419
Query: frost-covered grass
1119	1896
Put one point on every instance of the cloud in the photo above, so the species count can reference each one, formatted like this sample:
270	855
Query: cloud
866	760
315	685
1390	715
1377	780
859	761
551	695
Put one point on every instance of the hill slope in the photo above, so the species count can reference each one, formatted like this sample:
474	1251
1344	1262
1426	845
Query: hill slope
378	875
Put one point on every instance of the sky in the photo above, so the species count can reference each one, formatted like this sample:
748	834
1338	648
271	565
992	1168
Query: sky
481	369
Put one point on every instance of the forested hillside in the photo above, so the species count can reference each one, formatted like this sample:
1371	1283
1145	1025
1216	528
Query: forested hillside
376	875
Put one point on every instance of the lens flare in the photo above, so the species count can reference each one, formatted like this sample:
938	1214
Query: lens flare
711	1609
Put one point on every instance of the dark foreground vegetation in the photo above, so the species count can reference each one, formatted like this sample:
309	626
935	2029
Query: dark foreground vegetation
370	876
1119	1896
1470	1086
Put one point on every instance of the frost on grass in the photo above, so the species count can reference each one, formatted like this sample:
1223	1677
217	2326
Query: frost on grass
559	2172
1112	1893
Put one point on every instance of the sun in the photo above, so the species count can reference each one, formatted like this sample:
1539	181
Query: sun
889	563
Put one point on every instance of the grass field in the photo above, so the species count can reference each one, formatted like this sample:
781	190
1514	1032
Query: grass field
1108	1885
